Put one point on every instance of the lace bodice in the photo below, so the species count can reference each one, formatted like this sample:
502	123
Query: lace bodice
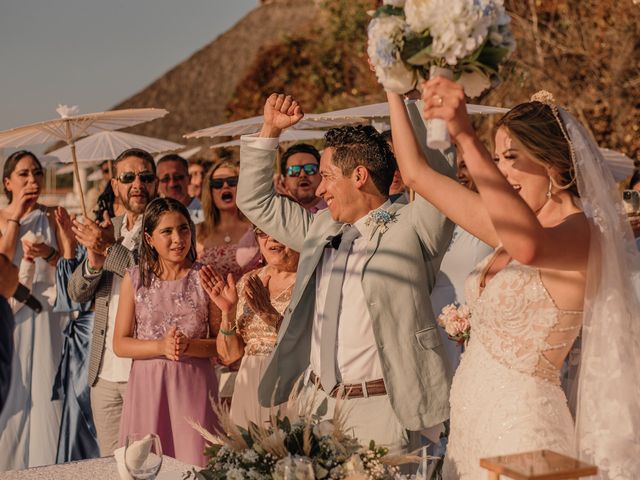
259	335
517	321
165	303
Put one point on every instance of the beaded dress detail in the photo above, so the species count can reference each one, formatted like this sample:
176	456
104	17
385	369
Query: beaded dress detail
506	396
258	335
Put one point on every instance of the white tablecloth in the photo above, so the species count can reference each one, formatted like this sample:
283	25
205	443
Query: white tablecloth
99	469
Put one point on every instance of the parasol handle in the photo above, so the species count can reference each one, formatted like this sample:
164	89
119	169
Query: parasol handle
76	170
76	174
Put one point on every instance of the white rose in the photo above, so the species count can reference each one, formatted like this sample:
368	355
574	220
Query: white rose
397	79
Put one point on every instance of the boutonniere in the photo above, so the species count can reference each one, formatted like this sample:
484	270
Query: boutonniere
380	219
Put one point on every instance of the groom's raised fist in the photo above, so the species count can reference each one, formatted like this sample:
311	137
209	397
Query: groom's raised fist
280	112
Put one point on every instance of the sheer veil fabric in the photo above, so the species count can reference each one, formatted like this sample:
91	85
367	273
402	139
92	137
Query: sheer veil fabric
608	386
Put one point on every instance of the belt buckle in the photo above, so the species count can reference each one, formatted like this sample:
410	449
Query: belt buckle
365	391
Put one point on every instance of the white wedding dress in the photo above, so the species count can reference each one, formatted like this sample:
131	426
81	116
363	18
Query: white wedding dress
506	396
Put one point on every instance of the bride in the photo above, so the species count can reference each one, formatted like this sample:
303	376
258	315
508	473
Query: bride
563	261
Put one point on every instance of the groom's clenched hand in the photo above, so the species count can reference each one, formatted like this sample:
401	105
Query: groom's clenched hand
280	112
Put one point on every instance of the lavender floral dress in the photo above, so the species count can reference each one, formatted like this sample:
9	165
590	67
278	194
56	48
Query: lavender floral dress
163	395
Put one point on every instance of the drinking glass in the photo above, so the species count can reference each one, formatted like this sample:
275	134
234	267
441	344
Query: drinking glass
143	455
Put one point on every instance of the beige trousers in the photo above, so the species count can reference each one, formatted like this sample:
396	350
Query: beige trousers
106	404
370	418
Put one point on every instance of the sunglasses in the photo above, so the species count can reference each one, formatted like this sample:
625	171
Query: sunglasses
129	177
309	169
218	183
175	178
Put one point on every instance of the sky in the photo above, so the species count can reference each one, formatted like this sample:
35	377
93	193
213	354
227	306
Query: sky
96	53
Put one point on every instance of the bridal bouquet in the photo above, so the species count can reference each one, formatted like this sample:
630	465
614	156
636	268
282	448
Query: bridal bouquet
296	445
469	38
455	321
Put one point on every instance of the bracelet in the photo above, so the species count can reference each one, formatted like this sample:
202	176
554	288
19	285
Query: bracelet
17	222
49	257
228	333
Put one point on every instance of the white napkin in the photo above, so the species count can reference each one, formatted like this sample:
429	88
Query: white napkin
122	468
137	453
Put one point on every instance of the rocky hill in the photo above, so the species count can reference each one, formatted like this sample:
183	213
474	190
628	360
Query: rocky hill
197	90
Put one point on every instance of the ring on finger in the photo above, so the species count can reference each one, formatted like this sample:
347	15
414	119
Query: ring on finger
439	100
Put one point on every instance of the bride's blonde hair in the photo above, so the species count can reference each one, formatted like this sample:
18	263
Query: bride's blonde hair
535	125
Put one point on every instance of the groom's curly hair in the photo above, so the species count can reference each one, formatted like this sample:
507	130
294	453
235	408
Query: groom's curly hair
362	145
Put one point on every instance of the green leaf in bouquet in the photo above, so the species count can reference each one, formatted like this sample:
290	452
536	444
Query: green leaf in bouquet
389	10
492	57
417	49
246	435
322	409
285	425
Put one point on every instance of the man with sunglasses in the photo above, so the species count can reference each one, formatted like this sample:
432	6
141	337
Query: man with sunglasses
173	175
111	249
299	177
360	322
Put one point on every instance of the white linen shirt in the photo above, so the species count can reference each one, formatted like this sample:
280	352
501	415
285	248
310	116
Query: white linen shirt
356	350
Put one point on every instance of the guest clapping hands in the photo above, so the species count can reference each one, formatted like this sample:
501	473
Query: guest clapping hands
251	316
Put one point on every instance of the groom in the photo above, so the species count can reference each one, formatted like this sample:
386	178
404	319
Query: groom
360	318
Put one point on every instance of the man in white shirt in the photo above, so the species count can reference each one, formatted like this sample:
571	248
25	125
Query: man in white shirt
111	249
173	175
360	319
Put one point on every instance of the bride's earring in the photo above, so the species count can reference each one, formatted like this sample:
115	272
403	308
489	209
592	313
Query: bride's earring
549	189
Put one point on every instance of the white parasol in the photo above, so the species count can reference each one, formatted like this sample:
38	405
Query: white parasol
290	135
374	113
71	126
107	145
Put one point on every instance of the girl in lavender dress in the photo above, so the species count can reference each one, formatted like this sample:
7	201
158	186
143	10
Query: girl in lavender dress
164	323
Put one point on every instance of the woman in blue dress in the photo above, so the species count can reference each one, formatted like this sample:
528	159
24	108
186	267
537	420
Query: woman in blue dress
30	419
77	439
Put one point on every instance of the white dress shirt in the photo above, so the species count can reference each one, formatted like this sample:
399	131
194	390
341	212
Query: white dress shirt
356	351
114	368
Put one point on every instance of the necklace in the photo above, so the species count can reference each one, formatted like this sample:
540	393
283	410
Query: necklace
227	237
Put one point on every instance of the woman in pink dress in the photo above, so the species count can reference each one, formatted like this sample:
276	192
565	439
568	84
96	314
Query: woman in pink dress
164	323
225	238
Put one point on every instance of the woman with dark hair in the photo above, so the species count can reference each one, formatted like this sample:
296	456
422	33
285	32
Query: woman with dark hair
225	238
165	323
564	260
30	421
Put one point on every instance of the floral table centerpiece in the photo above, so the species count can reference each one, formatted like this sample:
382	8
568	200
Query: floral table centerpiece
466	40
296	444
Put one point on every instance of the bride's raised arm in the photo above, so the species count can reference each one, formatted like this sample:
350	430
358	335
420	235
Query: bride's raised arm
503	215
458	203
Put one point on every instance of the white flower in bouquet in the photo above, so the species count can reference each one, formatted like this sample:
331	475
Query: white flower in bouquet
324	428
458	27
385	42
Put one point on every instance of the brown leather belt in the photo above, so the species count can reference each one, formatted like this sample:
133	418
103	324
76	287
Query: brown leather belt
354	390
